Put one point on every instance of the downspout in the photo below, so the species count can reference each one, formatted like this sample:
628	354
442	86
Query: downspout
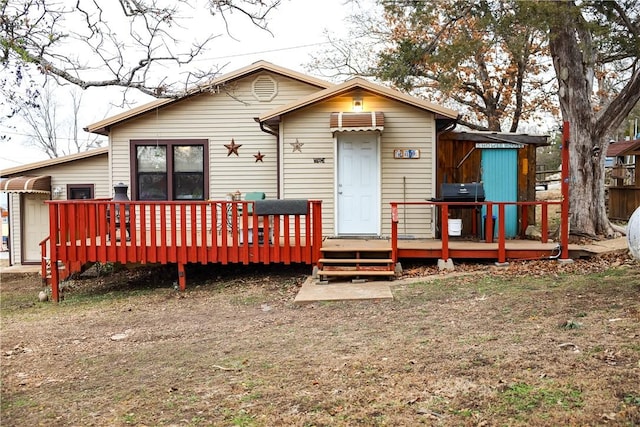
275	133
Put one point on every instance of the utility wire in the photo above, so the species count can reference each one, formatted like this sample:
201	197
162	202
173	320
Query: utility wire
268	51
34	136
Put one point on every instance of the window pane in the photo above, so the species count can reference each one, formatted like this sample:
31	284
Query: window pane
152	186
188	158
188	186
151	158
80	193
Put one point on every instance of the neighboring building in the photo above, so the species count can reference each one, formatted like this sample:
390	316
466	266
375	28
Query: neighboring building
79	176
624	190
4	214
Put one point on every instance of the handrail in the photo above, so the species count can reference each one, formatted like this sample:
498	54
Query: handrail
180	231
488	236
43	258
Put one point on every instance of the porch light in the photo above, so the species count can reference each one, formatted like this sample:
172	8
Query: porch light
358	104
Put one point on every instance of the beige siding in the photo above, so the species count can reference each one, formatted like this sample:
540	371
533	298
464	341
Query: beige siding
91	170
218	118
14	228
401	180
94	170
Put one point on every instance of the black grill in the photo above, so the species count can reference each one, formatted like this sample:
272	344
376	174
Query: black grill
468	192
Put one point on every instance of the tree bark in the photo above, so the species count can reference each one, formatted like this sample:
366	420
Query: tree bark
573	57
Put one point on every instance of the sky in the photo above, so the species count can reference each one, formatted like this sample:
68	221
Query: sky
298	28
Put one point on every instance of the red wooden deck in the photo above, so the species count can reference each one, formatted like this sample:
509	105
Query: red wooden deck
485	247
223	232
87	231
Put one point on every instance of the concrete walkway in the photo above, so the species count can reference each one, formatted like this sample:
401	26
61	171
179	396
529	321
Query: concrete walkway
5	268
619	244
342	291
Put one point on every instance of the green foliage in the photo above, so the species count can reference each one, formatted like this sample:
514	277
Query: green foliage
632	399
523	397
486	56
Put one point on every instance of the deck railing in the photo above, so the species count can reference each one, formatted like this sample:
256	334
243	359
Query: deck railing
491	210
83	231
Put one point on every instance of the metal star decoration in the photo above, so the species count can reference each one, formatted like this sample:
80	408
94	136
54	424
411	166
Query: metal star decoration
232	148
297	146
259	157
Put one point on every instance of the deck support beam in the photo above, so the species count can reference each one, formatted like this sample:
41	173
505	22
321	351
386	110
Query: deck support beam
53	253
182	278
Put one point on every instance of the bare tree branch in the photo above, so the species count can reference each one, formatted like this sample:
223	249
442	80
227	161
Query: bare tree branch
100	52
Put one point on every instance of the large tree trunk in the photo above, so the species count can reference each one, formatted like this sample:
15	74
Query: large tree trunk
573	59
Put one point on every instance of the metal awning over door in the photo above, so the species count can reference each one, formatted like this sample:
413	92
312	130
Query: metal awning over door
357	121
26	184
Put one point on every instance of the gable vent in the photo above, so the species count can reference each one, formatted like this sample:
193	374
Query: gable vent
264	88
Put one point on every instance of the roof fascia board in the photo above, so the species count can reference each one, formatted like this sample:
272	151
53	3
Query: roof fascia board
480	136
360	83
53	162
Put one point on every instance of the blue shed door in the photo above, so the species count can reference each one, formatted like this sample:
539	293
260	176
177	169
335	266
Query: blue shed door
500	180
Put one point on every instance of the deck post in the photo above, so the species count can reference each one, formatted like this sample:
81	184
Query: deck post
182	279
444	235
394	232
53	252
488	229
502	248
524	215
317	230
544	227
564	216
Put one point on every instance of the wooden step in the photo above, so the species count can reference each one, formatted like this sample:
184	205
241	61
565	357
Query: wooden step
355	249
353	273
355	260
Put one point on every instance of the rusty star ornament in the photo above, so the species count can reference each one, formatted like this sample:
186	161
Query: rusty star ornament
297	146
232	148
259	157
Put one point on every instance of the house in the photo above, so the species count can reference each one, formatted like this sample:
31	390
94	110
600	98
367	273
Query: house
624	192
263	165
77	176
356	146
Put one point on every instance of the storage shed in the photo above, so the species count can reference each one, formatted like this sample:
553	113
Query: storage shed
505	164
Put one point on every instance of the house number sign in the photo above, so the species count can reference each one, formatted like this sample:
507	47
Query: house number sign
406	153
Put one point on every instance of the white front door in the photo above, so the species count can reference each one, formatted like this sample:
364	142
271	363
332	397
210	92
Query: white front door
358	196
35	226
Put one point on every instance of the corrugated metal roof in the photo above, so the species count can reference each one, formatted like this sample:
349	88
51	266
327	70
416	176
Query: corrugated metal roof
488	136
345	121
624	148
26	184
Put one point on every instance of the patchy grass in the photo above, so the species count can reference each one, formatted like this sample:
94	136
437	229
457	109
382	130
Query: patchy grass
488	348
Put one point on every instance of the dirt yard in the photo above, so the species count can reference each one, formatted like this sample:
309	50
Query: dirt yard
538	343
